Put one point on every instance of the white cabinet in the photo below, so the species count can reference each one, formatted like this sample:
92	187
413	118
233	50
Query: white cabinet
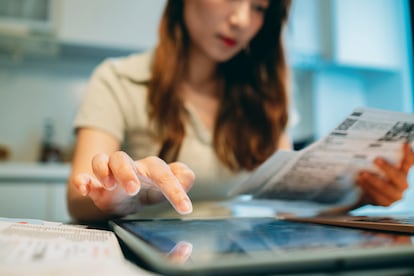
23	200
349	53
27	27
123	24
40	26
46	201
304	34
368	33
34	191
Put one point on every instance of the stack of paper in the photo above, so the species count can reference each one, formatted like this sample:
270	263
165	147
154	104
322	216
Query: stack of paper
35	247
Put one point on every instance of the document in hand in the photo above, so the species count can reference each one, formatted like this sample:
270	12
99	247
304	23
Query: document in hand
324	172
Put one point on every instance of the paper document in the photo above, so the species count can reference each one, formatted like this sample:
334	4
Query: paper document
324	172
23	243
35	247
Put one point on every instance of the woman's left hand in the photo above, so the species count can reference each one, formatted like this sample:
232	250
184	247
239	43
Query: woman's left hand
389	188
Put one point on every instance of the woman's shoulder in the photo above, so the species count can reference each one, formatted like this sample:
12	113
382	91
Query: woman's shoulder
135	67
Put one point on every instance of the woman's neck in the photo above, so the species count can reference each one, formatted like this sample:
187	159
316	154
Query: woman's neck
201	87
201	74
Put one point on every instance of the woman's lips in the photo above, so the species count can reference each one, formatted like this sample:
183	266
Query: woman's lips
229	42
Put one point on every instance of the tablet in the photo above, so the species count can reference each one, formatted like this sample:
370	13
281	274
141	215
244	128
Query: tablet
254	245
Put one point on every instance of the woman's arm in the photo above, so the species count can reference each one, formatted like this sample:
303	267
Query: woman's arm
284	142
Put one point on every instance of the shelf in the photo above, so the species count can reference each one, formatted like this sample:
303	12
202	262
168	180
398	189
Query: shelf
316	63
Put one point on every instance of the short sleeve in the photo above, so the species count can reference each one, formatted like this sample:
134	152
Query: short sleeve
101	107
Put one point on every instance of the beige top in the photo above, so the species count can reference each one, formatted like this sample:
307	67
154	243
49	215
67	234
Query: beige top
115	102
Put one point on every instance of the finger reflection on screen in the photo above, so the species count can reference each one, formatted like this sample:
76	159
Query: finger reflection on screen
181	252
397	239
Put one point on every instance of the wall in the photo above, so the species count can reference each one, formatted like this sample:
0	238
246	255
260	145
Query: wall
32	92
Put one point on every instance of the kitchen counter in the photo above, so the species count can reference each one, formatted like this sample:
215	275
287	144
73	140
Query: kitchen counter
34	172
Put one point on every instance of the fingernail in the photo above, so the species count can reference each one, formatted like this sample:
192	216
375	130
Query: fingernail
83	190
186	207
132	188
108	183
83	187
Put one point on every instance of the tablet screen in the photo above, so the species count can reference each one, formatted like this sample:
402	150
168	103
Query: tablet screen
209	240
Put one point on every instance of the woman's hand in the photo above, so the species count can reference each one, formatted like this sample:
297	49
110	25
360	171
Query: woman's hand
387	189
120	186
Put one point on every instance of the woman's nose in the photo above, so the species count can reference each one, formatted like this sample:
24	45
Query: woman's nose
240	15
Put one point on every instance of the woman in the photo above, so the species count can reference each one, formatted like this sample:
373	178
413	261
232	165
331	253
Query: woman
212	95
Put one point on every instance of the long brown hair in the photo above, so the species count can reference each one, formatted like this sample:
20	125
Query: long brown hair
253	108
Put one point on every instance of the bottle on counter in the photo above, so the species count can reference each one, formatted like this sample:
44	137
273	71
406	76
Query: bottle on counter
50	152
4	153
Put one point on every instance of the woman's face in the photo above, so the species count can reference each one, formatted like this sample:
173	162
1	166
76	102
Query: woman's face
219	29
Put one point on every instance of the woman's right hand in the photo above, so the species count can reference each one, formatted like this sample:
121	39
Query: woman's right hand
120	185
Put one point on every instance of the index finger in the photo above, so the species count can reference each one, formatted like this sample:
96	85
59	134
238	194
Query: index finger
156	171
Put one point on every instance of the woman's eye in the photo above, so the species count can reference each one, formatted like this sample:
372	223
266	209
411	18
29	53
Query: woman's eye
260	8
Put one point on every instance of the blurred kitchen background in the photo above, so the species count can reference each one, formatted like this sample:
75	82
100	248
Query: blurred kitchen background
343	54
